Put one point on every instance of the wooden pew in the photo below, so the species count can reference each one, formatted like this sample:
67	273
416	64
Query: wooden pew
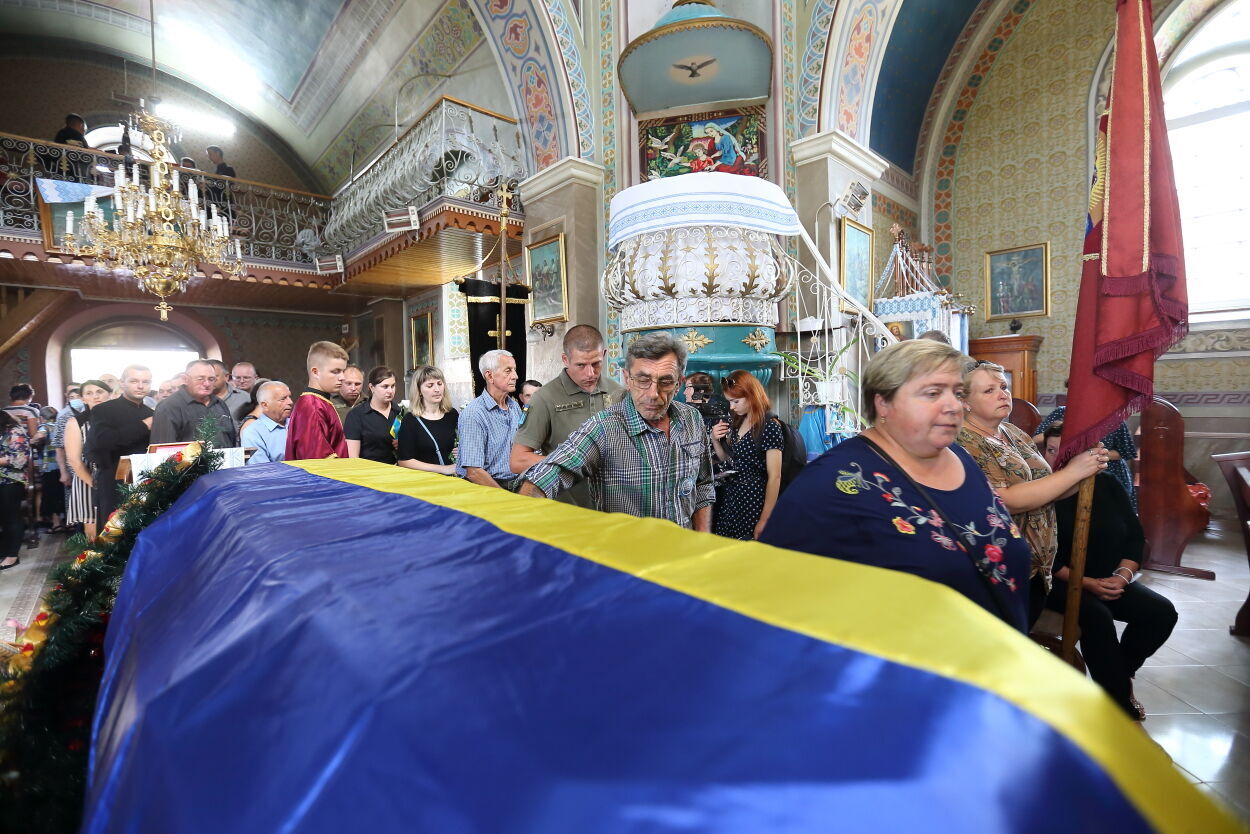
1169	512
1025	416
1236	469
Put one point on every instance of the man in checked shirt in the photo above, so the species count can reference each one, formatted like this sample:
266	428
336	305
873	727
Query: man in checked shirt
648	456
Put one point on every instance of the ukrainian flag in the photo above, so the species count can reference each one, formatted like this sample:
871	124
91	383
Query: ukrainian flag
341	646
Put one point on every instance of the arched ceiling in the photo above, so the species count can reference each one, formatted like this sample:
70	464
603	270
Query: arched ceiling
920	41
321	74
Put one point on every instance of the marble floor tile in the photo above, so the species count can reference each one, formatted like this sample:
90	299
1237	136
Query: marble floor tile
1211	646
1168	656
1201	686
1203	745
1157	701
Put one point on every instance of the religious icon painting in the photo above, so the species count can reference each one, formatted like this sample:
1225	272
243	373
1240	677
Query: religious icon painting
421	331
856	273
727	141
545	271
1017	282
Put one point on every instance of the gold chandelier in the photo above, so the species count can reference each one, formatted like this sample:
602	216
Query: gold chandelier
159	232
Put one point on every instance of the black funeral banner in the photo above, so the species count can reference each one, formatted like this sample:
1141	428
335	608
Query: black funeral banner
483	299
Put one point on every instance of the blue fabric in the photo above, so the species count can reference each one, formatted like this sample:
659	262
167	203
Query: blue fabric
293	654
812	429
844	505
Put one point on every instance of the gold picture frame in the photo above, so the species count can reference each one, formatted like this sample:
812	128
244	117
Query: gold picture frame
546	274
855	264
421	333
1017	282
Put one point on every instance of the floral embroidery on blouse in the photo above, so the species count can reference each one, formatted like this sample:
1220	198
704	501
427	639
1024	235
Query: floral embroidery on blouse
998	523
1012	461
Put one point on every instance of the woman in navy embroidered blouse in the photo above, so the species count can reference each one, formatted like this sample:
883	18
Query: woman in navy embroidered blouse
854	504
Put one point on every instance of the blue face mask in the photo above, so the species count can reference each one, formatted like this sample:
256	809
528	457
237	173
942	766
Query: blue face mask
77	405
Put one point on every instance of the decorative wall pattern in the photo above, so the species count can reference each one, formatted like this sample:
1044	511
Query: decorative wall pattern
531	68
456	322
608	98
814	57
1010	189
442	46
576	74
1180	23
853	75
885	213
1217	343
275	343
943	195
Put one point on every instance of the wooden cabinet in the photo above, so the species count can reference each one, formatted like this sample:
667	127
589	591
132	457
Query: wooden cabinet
1018	354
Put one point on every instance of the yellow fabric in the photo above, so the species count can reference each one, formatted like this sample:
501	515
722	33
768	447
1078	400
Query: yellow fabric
891	615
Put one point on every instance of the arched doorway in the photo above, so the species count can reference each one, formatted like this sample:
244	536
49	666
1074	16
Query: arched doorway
108	347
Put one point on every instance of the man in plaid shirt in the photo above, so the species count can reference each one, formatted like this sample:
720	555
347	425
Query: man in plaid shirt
648	456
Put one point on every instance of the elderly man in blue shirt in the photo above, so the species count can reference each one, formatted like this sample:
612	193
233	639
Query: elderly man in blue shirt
267	433
488	424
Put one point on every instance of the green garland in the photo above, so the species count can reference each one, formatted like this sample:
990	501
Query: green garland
48	689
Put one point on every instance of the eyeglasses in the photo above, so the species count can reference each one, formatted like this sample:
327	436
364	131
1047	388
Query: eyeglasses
203	379
662	385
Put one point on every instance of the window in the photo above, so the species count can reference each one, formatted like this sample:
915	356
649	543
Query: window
110	348
1207	96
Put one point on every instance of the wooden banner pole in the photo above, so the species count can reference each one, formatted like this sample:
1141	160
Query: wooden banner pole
1076	569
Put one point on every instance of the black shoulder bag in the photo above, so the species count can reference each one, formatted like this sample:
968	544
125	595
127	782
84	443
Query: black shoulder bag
967	545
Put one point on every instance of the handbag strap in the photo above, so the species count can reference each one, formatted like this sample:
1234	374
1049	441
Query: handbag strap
965	544
430	435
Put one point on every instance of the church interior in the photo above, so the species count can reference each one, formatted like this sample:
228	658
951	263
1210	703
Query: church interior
785	188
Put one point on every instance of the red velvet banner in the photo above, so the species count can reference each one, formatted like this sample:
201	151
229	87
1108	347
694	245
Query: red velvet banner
1132	304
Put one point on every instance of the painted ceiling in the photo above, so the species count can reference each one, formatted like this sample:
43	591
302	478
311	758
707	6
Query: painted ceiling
921	40
322	74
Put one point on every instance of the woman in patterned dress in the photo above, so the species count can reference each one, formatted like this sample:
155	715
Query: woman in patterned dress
82	488
903	495
1018	472
14	455
753	440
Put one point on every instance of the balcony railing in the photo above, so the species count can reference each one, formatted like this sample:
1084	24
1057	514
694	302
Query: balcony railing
455	152
274	225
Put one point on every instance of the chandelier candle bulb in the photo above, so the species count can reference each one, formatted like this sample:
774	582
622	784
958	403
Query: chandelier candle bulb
134	178
119	177
175	176
69	222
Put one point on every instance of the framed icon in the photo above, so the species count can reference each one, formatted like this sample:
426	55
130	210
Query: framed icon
549	288
421	329
856	265
1017	282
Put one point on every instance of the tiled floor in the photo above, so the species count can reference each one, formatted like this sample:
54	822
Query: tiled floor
21	586
1196	689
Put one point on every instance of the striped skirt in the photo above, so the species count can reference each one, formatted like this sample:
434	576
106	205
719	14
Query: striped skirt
81	503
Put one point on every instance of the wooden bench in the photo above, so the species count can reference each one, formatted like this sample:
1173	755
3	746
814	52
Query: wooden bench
1170	514
1236	469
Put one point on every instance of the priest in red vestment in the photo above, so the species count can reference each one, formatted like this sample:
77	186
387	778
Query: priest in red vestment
314	430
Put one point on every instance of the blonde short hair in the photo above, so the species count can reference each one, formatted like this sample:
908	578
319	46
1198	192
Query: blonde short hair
974	365
421	376
321	351
896	365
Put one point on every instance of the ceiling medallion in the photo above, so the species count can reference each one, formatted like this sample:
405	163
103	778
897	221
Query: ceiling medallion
161	232
694	340
757	340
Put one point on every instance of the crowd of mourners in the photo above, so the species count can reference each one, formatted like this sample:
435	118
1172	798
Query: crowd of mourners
939	483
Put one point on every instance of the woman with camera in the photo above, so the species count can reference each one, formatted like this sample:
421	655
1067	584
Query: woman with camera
753	441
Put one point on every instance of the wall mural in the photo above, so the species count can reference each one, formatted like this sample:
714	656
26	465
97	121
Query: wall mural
728	141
